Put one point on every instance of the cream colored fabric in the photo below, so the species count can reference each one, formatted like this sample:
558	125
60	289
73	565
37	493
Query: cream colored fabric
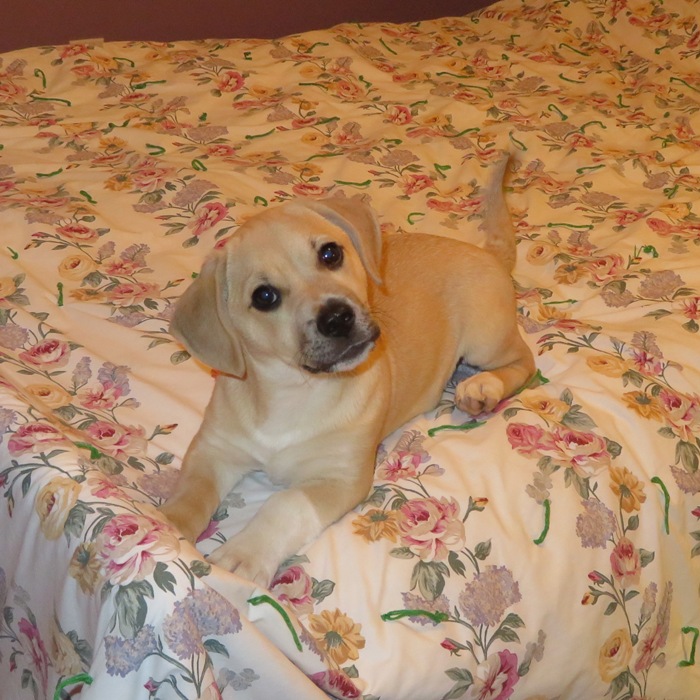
546	551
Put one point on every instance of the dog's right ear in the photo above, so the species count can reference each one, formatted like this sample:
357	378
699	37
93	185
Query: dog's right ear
202	323
359	222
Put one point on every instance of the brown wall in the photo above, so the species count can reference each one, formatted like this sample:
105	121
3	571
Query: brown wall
25	23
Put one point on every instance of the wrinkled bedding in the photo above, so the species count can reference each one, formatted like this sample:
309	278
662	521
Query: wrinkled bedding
546	550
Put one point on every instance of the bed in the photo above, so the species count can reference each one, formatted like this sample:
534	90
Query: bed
546	550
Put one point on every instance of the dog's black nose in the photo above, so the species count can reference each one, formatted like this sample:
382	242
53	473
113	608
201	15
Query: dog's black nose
336	319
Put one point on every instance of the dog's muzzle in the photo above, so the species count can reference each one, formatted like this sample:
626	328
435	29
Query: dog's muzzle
343	336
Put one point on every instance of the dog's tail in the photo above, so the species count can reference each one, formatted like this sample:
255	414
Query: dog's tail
497	222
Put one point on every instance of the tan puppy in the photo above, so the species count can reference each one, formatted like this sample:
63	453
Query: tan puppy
328	338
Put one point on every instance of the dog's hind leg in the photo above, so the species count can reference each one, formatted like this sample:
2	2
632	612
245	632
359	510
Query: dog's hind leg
483	391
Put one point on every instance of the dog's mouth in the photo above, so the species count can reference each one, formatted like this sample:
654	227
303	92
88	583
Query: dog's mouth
346	358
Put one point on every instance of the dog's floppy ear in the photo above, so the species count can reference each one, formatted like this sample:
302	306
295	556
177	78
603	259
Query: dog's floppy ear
359	222
201	320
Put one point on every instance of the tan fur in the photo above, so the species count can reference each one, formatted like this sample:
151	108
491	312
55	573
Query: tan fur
311	410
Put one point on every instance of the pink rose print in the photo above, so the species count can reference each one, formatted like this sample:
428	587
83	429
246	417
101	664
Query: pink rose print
585	453
682	414
34	645
293	586
399	114
132	293
10	93
399	465
414	182
222	150
626	217
208	216
430	528
528	440
495	678
130	546
625	563
78	233
655	638
150	176
691	308
117	440
104	486
605	268
335	682
309	189
646	363
230	81
47	355
35	438
103	397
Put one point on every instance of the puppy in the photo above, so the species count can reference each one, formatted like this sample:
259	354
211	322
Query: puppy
327	338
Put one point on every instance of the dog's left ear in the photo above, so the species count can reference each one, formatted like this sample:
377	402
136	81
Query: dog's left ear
202	322
359	222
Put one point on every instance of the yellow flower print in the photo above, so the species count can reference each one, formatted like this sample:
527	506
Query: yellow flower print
76	267
675	211
453	63
261	92
310	70
437	120
119	182
112	143
304	104
53	504
7	287
307	170
377	524
51	395
105	62
609	366
313	138
614	655
549	314
301	44
79	128
86	295
63	654
540	252
337	635
628	488
569	273
645	405
543	405
86	568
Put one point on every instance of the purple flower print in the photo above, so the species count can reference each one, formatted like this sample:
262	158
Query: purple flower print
485	599
123	656
596	525
200	614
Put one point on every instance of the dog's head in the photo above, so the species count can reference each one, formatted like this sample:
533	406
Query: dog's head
292	285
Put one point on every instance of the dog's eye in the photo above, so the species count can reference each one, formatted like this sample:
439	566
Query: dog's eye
330	255
266	297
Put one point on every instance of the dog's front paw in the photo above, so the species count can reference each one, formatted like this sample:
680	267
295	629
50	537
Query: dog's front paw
252	566
479	393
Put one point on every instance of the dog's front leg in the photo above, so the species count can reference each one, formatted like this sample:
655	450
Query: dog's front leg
287	521
208	474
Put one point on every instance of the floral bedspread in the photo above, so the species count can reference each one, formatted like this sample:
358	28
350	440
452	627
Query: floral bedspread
547	550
